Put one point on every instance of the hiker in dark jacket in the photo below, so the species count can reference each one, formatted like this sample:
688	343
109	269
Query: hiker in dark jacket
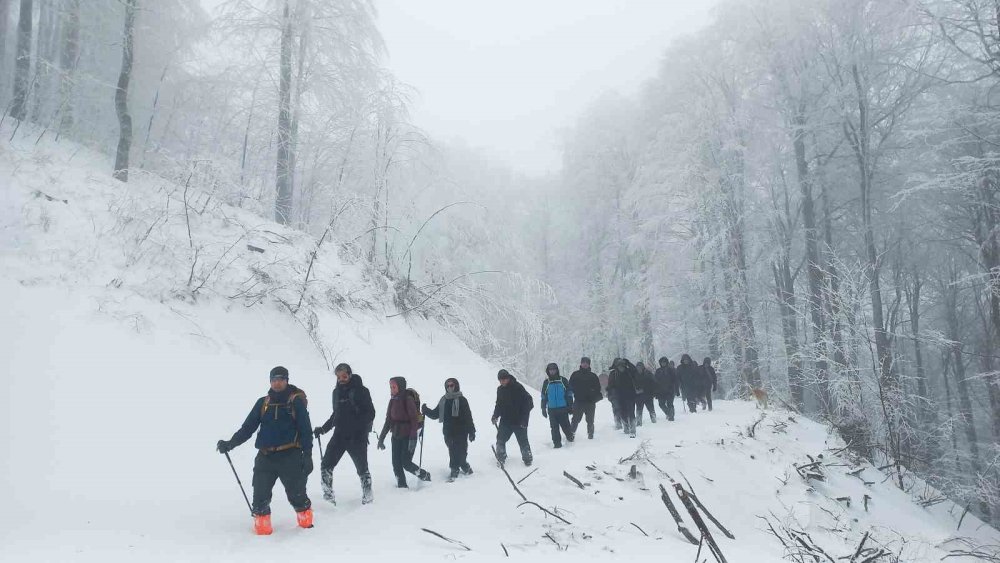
621	386
586	388
710	383
402	418
667	387
351	422
689	375
510	416
284	449
557	403
454	413
645	392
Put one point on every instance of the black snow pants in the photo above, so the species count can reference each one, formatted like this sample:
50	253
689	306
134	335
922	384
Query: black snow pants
504	432
292	467
402	459
583	409
458	451
356	448
644	401
667	406
559	418
626	415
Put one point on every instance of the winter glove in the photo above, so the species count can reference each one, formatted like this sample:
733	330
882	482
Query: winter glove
412	447
472	436
223	446
494	420
381	443
545	413
318	431
307	463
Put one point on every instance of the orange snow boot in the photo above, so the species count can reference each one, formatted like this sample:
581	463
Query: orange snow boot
305	518
262	525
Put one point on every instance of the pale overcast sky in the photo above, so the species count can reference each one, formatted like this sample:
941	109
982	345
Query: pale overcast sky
506	75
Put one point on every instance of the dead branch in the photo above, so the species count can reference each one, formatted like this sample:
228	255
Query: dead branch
706	534
505	552
676	515
528	475
861	546
545	510
504	469
640	529
701	507
449	540
574	479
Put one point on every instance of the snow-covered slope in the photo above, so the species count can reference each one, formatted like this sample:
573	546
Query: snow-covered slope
119	383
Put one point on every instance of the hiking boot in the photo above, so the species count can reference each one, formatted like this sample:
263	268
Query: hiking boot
366	489
424	475
467	469
305	518
590	435
557	446
571	437
453	476
262	525
527	459
328	496
401	483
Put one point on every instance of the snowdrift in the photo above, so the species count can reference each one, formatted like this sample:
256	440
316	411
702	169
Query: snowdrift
125	359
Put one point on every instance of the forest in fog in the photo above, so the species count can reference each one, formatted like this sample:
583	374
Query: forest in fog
806	191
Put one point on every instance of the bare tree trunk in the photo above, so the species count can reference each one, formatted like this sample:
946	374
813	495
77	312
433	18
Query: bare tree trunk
293	142
121	95
925	414
784	287
283	203
4	23
22	64
987	225
68	61
43	57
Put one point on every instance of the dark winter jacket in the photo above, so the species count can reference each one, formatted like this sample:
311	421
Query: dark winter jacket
353	411
711	380
690	376
514	404
283	420
666	381
556	392
621	382
645	383
402	416
454	425
586	386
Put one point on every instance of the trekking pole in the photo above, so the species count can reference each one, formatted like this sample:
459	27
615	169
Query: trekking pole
320	441
240	483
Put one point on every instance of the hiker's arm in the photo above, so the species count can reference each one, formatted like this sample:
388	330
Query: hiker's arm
302	424
249	426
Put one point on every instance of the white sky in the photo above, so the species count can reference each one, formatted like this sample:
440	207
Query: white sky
506	75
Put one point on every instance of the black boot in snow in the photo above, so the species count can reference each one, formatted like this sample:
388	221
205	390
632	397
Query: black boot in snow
424	475
366	489
467	469
401	482
453	476
590	435
570	437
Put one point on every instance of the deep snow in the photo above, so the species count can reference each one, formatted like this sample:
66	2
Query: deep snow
119	383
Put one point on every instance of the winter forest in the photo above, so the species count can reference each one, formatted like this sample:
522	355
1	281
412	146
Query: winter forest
806	191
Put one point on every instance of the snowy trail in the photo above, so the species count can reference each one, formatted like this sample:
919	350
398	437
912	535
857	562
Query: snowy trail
118	386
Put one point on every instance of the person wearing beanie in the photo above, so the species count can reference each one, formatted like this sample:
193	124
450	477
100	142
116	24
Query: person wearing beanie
646	391
510	416
557	402
402	418
710	383
667	387
456	418
586	387
351	422
284	450
621	386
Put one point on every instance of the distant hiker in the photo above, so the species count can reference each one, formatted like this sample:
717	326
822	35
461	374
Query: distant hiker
510	416
586	387
351	421
621	386
557	403
689	375
710	382
603	378
645	385
402	418
667	387
454	413
284	450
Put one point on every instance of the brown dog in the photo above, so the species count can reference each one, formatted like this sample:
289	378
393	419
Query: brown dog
761	397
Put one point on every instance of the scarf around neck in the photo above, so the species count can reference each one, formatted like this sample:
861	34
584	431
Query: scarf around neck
455	404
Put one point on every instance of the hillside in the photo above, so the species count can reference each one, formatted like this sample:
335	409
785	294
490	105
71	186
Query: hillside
124	363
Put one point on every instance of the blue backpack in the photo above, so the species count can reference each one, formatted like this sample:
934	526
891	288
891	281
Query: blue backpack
556	394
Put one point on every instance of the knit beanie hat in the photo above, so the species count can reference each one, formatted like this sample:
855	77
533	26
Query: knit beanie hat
279	372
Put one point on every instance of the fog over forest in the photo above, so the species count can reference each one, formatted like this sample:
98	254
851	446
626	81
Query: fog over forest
805	191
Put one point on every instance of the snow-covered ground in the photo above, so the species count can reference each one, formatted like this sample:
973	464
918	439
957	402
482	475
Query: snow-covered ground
119	383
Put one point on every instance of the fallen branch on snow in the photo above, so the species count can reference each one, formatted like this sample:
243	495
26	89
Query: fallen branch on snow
449	540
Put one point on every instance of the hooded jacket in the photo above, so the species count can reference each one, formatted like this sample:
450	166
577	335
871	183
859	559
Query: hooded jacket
621	381
514	404
453	426
690	377
644	381
711	382
586	386
353	411
554	397
666	380
283	421
402	415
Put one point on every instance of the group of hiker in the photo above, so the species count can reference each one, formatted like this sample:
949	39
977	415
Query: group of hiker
284	432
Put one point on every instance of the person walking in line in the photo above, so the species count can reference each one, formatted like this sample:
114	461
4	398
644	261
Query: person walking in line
402	418
586	387
510	416
667	387
456	417
645	392
284	450
689	375
621	383
557	402
710	382
351	421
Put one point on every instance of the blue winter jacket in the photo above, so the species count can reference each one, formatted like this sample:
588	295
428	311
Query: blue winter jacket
556	392
283	421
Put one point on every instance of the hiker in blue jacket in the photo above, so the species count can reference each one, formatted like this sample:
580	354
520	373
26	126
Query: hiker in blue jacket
557	403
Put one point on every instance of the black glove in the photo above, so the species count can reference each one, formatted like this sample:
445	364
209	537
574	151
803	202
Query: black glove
412	446
381	443
472	436
307	462
424	409
223	446
318	431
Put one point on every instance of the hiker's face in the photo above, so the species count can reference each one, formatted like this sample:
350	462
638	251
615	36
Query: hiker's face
279	384
393	388
450	386
585	366
505	382
343	377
